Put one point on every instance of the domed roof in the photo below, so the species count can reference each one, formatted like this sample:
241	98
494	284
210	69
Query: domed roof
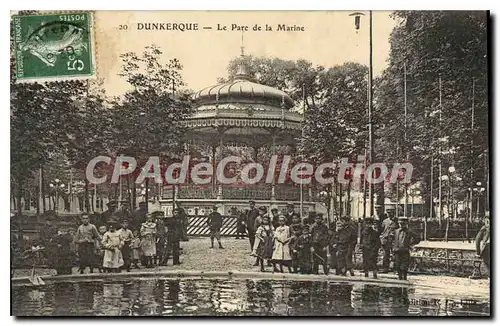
242	90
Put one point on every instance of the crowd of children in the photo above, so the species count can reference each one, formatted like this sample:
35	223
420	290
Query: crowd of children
113	246
303	246
277	240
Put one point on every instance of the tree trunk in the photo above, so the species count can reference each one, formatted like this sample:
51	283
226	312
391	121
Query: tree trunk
134	196
341	202
19	193
348	200
43	189
129	195
86	199
27	201
381	197
334	196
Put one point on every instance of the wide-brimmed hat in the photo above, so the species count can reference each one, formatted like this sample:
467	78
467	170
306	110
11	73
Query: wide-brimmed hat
263	208
403	219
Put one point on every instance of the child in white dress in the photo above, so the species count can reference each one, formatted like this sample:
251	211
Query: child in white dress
112	242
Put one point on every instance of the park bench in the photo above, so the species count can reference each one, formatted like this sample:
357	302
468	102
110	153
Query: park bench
453	252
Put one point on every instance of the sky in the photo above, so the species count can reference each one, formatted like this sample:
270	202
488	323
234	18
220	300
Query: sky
329	39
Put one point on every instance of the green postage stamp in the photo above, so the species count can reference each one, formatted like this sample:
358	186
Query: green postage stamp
54	47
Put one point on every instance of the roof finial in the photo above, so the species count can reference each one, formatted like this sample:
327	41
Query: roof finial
242	69
242	44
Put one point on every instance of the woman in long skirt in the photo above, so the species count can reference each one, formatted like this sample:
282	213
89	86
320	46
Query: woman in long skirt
112	242
281	253
148	242
264	242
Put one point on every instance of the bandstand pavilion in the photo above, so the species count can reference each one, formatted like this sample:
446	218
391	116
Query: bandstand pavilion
254	118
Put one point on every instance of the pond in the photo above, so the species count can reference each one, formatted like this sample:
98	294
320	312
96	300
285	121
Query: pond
233	297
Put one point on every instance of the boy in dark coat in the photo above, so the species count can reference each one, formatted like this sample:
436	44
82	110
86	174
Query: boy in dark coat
403	240
370	244
345	240
215	223
294	246
241	225
64	257
305	251
332	246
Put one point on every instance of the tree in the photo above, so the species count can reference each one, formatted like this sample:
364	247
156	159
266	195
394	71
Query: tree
433	46
148	120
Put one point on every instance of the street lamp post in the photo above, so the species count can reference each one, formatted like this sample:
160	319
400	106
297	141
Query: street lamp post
371	146
479	191
451	212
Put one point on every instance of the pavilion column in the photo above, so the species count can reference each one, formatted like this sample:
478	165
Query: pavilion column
214	163
273	184
221	148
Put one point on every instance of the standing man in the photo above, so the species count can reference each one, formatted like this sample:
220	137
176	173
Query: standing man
319	233
370	243
483	242
109	213
290	211
214	224
139	215
85	238
174	236
251	216
403	240
127	237
389	225
353	227
344	241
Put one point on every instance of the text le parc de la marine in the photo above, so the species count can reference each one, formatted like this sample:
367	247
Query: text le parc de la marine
184	27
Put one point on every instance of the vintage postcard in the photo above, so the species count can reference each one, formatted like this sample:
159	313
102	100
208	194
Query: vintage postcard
258	163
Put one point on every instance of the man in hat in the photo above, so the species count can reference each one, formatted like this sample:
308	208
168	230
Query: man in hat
319	233
250	221
110	212
85	238
214	224
389	225
346	238
370	243
403	240
483	242
174	236
290	211
139	215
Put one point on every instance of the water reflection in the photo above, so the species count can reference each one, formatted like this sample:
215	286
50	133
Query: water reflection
156	297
